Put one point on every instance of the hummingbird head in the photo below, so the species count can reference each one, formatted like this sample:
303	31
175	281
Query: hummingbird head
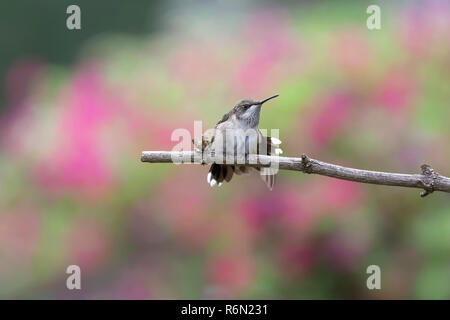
247	111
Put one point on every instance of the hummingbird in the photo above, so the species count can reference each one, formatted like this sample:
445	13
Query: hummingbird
241	119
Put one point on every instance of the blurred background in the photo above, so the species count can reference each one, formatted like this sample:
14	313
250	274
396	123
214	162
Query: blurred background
78	107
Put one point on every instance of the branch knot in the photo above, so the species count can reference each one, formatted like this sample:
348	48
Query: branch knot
306	162
428	180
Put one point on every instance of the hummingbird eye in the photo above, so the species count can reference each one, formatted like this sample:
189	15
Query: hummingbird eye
246	106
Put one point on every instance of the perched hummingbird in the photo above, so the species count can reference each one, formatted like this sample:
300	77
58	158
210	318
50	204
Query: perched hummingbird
244	117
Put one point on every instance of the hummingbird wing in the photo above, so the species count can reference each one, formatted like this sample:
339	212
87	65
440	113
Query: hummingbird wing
218	173
208	136
225	117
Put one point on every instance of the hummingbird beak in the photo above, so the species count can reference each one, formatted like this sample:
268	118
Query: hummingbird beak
265	100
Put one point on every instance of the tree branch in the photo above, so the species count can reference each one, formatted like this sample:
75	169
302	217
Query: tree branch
429	180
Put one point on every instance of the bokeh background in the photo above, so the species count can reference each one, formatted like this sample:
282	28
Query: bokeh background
78	107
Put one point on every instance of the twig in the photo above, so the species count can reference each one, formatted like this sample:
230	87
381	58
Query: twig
429	180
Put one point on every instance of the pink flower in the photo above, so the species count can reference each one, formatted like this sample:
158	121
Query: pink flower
345	252
87	245
351	50
183	198
20	233
282	207
298	216
78	161
18	116
197	66
133	287
333	113
153	129
21	78
341	195
230	272
297	259
173	195
270	41
415	31
325	196
262	211
396	91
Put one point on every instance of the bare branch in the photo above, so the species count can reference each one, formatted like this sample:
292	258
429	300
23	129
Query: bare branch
429	180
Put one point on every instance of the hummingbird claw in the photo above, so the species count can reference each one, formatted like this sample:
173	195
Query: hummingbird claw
278	151
213	183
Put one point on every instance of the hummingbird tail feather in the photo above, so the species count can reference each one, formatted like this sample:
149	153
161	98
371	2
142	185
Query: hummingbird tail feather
218	173
241	170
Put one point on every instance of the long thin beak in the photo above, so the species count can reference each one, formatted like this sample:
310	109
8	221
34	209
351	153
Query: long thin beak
262	101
